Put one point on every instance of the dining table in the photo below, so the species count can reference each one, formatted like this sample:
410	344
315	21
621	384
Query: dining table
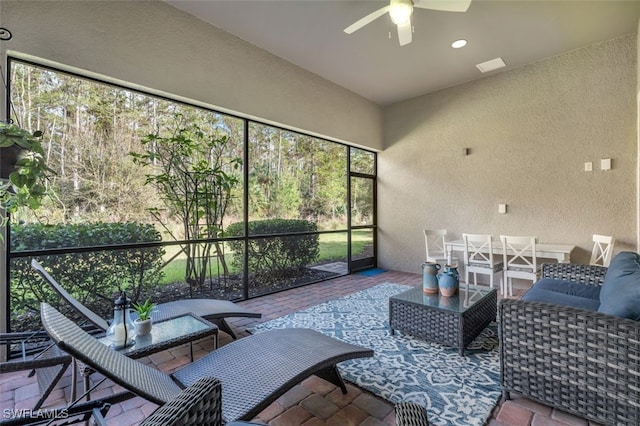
559	252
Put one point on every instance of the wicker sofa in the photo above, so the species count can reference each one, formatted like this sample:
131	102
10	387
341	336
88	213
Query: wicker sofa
576	358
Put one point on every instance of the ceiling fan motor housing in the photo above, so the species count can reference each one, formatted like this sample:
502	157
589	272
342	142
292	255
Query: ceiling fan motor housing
400	11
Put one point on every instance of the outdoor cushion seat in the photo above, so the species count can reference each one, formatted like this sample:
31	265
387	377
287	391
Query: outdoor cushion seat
569	287
497	267
559	298
564	293
213	310
253	371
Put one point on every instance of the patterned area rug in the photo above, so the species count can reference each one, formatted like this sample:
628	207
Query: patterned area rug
456	390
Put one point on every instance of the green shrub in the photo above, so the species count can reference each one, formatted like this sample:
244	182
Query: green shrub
276	257
93	277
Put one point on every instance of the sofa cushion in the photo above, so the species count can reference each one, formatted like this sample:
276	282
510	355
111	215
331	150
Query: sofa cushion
620	294
570	288
566	293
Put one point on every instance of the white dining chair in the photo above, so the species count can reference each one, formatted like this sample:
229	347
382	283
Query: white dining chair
602	250
519	261
435	245
479	259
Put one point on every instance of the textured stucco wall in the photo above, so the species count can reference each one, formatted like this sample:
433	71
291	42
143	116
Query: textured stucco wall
638	135
530	131
154	45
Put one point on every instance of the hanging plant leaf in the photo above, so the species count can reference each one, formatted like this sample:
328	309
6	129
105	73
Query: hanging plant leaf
25	185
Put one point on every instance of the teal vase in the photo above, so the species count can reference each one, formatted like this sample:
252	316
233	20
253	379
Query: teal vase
430	277
449	281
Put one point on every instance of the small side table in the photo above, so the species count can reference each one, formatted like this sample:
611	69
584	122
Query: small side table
165	334
168	333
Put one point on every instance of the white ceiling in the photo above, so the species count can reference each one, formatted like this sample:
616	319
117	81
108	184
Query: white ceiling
309	33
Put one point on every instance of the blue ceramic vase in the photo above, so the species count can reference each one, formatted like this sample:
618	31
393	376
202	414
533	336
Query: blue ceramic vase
449	281
430	277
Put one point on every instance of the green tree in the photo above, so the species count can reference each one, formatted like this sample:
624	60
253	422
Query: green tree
194	176
286	201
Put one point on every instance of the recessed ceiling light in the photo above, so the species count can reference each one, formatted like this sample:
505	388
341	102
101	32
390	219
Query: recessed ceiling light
459	43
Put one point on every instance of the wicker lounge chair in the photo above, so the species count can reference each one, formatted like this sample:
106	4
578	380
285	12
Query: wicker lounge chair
213	310
253	371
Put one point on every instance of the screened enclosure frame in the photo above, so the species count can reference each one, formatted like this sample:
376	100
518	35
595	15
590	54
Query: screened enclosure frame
352	264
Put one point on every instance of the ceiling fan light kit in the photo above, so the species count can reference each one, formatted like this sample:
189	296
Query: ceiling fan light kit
400	12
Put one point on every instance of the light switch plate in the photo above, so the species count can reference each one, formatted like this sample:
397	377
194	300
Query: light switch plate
605	164
502	208
588	166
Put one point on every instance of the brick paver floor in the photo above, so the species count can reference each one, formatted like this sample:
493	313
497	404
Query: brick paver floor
313	402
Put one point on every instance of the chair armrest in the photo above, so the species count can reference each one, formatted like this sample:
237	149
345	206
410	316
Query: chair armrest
17	337
198	404
48	358
411	414
29	342
581	361
584	274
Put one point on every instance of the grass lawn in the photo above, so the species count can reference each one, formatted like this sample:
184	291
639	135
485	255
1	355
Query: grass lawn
332	247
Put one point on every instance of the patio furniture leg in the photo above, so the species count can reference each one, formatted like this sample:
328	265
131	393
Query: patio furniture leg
74	378
222	325
87	385
332	375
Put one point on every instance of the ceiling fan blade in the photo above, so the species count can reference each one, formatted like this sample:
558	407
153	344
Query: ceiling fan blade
443	5
404	33
367	19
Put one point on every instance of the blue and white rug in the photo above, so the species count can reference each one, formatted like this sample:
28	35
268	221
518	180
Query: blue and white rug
456	390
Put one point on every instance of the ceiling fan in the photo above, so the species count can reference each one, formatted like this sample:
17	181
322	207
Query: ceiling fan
401	10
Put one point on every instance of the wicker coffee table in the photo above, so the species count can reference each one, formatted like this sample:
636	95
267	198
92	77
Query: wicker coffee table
453	321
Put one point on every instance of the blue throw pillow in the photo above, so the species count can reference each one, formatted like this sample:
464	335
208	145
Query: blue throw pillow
620	294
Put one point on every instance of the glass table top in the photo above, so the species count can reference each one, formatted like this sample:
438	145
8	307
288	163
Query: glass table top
167	330
460	302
